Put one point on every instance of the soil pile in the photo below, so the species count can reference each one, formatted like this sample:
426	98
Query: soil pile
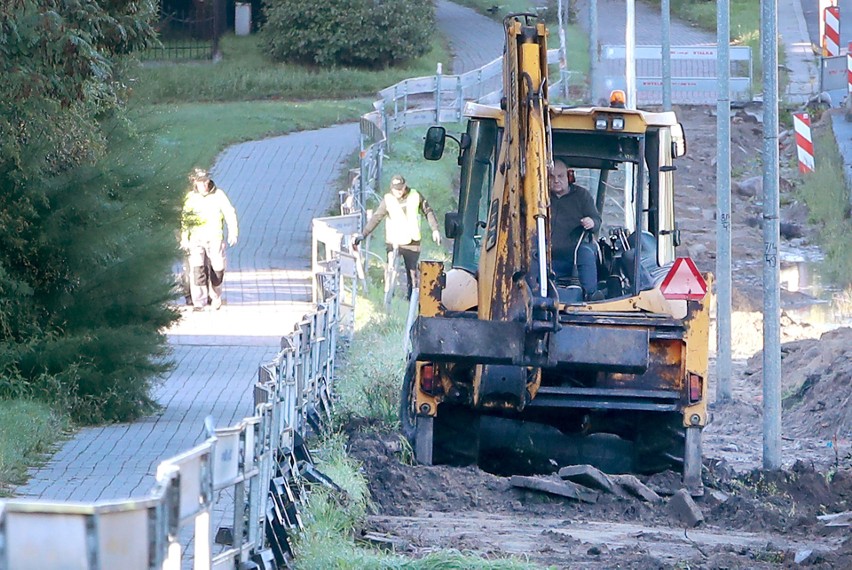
756	520
816	376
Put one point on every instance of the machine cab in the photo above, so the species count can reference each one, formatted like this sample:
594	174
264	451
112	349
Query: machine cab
623	158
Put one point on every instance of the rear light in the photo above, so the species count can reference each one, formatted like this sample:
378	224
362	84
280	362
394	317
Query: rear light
696	385
430	381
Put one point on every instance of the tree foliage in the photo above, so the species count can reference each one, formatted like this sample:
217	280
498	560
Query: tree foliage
83	239
360	33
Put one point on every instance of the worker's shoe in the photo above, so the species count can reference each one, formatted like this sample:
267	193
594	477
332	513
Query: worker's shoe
596	296
216	304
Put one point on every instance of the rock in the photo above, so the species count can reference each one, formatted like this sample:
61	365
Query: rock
837	519
802	556
750	187
587	476
386	542
719	496
635	487
789	230
684	509
561	488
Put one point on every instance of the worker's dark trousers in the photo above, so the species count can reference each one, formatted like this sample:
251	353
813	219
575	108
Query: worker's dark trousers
587	268
207	260
410	255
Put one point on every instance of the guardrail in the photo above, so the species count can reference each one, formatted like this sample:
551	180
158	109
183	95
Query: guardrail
428	100
248	480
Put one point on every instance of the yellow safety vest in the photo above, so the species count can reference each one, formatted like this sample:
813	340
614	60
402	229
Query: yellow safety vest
402	225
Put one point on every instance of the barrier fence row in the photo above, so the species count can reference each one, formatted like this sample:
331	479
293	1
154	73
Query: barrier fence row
247	481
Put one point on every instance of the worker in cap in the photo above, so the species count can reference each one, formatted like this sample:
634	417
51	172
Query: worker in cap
402	208
206	213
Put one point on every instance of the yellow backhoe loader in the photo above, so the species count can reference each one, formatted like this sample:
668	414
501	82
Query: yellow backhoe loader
512	366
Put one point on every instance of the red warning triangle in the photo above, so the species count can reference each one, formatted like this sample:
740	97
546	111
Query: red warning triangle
684	281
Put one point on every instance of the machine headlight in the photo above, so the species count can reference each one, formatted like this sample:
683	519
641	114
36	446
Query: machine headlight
618	123
600	123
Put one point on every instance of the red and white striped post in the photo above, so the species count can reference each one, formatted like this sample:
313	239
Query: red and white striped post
804	142
849	74
831	37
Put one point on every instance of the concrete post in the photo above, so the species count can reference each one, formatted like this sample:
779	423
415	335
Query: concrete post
771	238
723	204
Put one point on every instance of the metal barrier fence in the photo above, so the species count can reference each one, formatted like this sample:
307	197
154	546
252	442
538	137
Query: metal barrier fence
417	101
250	479
693	75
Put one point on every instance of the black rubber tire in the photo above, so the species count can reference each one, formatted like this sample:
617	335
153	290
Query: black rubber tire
407	417
660	444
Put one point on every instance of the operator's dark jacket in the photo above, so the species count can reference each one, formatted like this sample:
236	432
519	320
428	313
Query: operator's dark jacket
565	215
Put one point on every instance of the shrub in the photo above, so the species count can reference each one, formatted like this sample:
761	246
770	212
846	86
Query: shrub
361	33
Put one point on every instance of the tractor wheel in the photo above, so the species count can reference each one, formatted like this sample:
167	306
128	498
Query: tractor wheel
407	415
660	444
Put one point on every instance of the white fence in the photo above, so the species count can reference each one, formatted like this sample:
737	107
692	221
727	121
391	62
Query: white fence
251	477
417	101
693	73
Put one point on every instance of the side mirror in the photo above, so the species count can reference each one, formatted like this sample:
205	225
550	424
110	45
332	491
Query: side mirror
433	147
678	141
452	225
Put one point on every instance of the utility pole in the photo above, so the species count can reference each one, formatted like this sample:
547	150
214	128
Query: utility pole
630	78
563	53
771	238
630	54
666	49
593	51
723	202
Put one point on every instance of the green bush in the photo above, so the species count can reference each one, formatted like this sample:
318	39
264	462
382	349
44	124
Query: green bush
362	33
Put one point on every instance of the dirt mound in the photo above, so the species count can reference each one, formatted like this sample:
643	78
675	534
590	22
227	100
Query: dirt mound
784	501
816	377
758	519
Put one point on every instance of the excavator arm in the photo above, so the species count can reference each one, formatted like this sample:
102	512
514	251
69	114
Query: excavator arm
514	264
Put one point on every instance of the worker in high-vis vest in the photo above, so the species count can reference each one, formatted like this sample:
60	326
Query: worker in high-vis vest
206	213
402	207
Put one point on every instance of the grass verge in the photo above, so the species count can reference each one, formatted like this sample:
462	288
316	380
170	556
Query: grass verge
28	430
244	73
827	197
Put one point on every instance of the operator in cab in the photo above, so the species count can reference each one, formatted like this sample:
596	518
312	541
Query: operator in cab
572	215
